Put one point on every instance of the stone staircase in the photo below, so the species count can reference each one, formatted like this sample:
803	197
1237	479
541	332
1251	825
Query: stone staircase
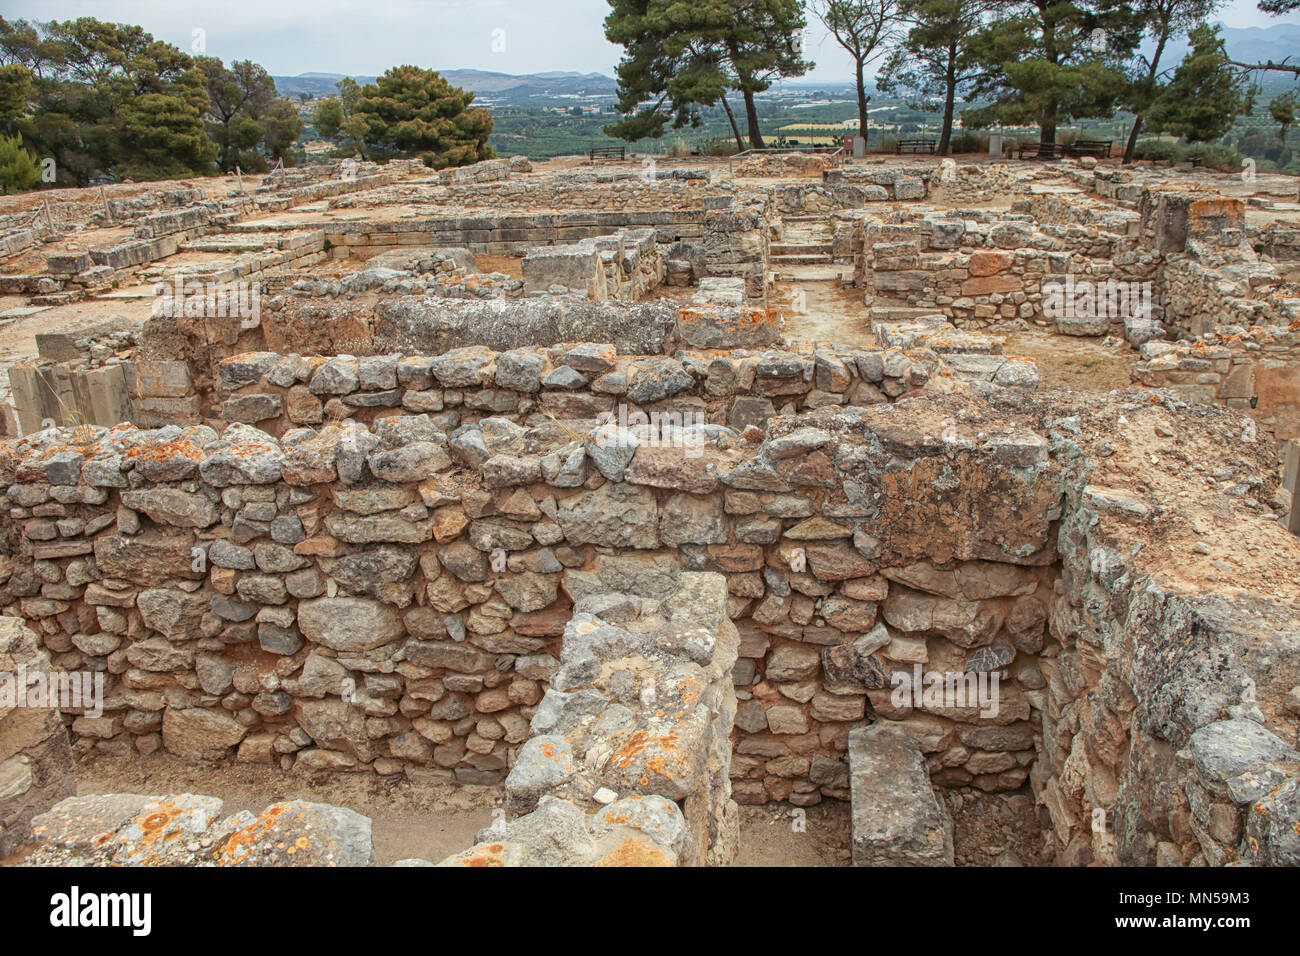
805	241
883	310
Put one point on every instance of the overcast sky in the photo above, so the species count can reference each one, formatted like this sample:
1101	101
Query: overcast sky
368	36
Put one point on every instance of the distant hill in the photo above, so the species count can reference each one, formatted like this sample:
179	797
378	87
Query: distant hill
1249	44
497	86
1246	44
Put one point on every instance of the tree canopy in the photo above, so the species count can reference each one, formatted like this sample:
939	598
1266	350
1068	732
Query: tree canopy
683	56
407	112
934	61
1051	61
1204	96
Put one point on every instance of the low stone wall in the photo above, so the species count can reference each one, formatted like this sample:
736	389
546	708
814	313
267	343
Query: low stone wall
496	234
36	769
625	266
628	759
782	165
489	170
982	269
1205	298
393	598
396	599
279	392
1279	241
886	181
630	194
962	183
1167	708
1257	374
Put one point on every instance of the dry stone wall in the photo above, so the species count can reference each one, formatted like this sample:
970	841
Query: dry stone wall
983	268
627	762
239	591
1165	726
36	769
403	598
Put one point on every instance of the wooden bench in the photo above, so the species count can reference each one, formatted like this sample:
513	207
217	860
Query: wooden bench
915	146
1090	147
1041	151
608	152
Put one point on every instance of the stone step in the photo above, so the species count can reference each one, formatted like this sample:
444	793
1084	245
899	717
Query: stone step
897	819
801	259
901	313
818	272
801	249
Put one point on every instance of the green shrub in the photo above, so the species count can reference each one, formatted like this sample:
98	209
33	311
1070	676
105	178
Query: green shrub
18	169
1154	148
1216	156
679	149
965	142
1213	155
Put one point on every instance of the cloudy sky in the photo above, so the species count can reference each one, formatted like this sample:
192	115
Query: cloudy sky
368	36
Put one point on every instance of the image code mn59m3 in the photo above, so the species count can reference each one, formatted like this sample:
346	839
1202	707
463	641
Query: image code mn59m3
627	433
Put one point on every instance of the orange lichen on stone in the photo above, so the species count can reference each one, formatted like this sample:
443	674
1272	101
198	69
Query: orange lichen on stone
182	448
241	843
490	855
635	851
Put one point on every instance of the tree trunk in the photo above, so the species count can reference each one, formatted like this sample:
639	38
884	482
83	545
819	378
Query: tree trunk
751	119
949	102
862	103
1150	91
735	130
1132	139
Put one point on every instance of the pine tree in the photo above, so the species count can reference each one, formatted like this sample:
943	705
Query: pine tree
683	56
669	72
934	60
18	170
239	97
414	112
1050	61
1205	94
15	92
1162	20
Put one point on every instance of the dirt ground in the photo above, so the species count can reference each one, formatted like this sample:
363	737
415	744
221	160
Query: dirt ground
432	819
834	314
829	313
773	835
994	829
1071	362
512	266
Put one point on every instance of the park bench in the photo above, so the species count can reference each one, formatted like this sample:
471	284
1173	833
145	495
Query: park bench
1041	151
915	146
608	152
1090	147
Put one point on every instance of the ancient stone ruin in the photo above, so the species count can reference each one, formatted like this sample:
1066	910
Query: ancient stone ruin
564	485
